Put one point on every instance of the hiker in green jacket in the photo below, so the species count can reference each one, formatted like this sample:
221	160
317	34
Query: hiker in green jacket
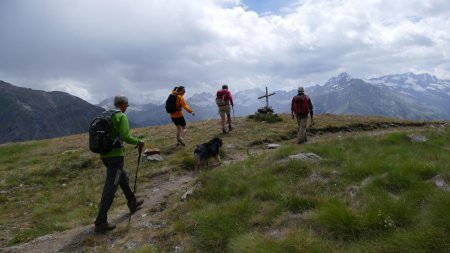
114	162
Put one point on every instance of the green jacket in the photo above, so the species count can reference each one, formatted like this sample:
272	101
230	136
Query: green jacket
122	128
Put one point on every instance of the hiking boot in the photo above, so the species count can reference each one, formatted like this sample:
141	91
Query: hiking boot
135	205
224	131
230	128
103	227
179	140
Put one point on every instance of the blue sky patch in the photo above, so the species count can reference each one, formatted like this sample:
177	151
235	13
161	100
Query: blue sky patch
267	6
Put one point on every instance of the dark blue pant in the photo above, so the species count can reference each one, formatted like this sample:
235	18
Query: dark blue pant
113	165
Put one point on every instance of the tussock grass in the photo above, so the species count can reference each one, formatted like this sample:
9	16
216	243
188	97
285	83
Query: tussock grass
270	118
294	169
217	223
147	249
187	161
370	194
295	241
338	221
284	152
258	193
38	182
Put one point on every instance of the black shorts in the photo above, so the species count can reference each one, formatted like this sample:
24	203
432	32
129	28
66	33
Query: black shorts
179	121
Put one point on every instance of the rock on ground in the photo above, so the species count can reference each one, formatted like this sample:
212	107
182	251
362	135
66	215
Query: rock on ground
417	138
306	157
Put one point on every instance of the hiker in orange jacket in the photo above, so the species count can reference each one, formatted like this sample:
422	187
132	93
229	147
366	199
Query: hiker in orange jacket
177	117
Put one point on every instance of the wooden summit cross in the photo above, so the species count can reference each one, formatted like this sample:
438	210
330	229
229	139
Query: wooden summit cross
267	97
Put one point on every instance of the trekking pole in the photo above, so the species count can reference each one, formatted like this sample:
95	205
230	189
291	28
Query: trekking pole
234	117
135	180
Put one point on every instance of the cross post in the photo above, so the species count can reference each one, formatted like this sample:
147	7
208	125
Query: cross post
267	97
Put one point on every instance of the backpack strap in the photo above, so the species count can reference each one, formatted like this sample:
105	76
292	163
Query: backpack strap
181	106
305	101
110	113
222	93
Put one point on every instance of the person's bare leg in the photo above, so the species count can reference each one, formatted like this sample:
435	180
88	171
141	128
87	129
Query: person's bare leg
229	122
223	120
183	132
180	135
179	132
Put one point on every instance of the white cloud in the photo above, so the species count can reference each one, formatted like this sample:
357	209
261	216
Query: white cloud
117	46
70	86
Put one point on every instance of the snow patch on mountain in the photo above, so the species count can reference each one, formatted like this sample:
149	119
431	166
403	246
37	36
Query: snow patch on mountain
414	85
203	99
135	108
108	103
247	97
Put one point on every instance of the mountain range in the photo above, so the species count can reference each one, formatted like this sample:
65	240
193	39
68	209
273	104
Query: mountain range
403	96
27	114
30	114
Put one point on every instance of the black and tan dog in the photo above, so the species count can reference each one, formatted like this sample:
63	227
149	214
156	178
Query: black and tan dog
205	151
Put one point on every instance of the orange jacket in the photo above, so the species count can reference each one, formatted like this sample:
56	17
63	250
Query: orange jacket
180	104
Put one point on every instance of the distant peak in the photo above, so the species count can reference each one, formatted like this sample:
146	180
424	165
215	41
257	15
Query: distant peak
4	83
344	75
421	77
427	77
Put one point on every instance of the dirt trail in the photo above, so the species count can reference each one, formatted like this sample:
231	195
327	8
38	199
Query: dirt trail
155	194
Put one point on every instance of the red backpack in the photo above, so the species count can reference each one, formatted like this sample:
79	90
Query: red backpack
221	98
301	104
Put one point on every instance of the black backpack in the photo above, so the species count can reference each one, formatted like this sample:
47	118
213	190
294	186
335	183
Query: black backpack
171	103
100	139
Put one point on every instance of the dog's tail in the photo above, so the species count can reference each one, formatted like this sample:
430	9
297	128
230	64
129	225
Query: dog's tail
197	150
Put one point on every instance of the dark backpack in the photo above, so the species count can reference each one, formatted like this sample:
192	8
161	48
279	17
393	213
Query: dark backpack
301	103
171	103
221	98
100	137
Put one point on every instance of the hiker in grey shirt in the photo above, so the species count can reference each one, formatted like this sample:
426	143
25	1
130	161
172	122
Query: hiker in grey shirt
301	106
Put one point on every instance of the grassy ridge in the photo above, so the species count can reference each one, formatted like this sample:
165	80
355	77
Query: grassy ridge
45	190
368	195
53	185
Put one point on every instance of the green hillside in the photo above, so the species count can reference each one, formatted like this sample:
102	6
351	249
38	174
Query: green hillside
374	190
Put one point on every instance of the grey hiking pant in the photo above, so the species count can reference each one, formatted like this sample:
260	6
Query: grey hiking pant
302	121
113	165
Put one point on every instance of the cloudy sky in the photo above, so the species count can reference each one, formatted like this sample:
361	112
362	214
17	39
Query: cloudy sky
142	48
